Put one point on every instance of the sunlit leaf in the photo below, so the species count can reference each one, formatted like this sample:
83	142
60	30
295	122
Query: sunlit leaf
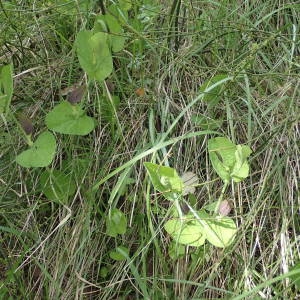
187	231
220	231
40	154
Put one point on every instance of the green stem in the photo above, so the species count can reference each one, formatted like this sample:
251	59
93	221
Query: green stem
221	198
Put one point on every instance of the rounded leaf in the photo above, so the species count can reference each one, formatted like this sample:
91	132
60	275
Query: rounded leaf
186	232
40	154
221	231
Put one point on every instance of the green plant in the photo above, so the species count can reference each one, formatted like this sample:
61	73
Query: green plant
193	228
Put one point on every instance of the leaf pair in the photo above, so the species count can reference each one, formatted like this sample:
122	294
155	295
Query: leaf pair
194	230
229	160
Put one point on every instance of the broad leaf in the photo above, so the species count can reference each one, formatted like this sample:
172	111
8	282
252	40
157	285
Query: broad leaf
222	155
94	54
165	180
187	231
69	119
57	186
219	230
40	154
6	87
116	223
111	25
212	97
118	253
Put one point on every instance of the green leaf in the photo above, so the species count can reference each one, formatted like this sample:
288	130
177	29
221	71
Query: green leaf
111	25
94	54
118	255
187	231
6	87
69	119
241	167
165	180
116	223
57	186
219	230
40	154
222	156
296	278
212	97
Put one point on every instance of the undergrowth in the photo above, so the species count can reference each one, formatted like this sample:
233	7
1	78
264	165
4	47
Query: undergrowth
148	109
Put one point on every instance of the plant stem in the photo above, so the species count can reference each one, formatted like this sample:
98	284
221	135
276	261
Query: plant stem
221	198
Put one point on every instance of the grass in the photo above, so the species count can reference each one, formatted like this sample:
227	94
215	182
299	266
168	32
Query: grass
52	251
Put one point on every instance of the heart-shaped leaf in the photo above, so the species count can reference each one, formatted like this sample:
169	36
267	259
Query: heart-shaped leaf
40	154
94	54
165	180
116	223
69	119
6	87
57	185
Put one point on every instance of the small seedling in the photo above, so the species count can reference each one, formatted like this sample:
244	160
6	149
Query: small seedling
195	227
